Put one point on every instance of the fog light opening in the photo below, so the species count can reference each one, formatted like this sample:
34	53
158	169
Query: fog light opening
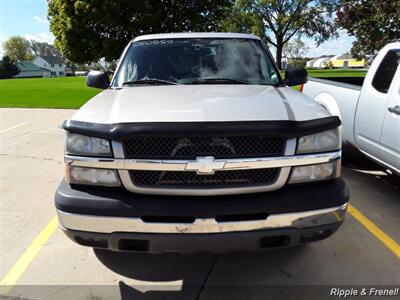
91	242
134	245
274	241
315	236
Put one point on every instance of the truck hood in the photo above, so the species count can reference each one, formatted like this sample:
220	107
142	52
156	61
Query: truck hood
197	103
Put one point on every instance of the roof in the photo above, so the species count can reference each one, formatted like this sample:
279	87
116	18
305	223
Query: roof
189	35
342	56
53	59
27	66
321	61
346	56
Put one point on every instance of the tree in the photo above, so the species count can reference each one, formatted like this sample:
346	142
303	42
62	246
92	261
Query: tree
111	65
86	31
240	21
280	20
8	68
296	51
373	23
17	48
44	49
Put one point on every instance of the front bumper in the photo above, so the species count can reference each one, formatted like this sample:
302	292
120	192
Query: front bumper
119	220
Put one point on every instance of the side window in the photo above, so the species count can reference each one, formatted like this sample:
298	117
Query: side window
386	70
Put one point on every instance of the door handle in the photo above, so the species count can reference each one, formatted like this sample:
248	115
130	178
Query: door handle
395	110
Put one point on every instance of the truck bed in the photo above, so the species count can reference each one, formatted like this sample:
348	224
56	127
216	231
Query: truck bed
354	83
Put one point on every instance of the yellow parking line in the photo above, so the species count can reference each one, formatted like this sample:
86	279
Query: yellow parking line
391	244
7	283
336	215
13	127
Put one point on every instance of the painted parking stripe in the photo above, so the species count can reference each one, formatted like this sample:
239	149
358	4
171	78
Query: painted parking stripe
13	127
390	243
11	278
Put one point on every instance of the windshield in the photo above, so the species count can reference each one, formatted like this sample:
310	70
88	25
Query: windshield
197	61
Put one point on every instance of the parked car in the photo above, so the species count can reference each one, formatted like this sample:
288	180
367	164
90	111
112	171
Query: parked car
198	144
369	109
81	73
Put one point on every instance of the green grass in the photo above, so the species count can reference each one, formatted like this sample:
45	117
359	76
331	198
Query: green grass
72	92
332	73
63	92
337	73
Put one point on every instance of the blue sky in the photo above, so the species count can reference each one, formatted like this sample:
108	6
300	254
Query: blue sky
28	18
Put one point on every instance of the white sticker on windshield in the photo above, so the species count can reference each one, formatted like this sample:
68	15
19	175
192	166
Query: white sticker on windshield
152	42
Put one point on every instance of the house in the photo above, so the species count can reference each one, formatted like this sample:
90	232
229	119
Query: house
54	64
29	69
347	61
338	61
319	63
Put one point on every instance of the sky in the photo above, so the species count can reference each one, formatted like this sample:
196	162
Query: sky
28	18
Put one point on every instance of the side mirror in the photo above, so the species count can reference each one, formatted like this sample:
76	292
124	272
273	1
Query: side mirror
98	79
295	76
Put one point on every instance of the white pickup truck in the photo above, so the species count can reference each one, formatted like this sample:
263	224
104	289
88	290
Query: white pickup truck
369	109
198	144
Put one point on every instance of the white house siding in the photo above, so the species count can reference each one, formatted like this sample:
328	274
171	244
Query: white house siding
27	74
46	73
56	70
310	63
319	63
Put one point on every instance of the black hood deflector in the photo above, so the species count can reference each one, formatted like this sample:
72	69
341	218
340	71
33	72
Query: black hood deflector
120	131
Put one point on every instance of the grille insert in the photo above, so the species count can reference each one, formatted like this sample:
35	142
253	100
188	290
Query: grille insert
220	179
192	147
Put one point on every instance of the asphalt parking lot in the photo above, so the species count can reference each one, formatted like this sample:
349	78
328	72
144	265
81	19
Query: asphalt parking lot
38	262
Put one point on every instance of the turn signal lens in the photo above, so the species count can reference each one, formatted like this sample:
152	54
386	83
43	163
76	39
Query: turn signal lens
91	176
315	172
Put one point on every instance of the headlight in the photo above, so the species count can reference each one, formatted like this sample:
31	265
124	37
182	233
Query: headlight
315	172
91	176
78	144
320	142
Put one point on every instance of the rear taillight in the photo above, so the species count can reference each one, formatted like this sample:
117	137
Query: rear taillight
301	88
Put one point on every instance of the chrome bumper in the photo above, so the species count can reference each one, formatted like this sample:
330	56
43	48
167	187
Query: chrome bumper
104	224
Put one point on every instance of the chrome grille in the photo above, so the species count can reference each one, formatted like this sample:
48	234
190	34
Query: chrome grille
192	147
151	151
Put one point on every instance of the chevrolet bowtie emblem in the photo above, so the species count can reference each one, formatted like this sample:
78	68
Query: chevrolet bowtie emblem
205	165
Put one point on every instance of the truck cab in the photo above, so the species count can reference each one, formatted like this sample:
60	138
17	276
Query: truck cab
369	108
197	144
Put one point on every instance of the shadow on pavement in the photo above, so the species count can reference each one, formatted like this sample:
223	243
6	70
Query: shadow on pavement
185	276
355	161
158	276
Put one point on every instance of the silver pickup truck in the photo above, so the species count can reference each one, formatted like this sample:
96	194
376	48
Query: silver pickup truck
369	108
198	144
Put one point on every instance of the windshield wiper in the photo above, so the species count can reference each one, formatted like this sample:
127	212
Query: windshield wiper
219	80
152	81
